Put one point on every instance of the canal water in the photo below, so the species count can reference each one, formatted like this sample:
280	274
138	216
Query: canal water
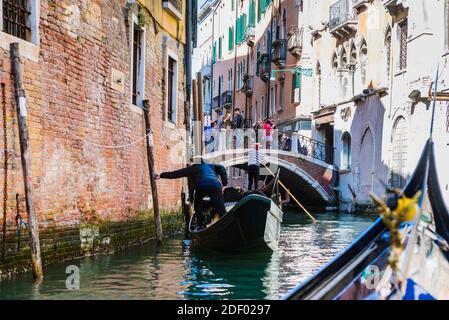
176	272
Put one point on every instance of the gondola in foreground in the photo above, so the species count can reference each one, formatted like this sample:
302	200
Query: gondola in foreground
363	270
252	222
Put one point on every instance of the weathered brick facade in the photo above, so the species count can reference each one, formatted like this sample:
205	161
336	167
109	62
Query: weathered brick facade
78	87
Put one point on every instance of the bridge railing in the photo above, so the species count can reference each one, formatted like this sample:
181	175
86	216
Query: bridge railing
227	139
312	148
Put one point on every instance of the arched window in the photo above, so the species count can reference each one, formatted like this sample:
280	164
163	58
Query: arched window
352	67
366	163
400	144
334	63
343	59
353	55
284	24
363	62
345	162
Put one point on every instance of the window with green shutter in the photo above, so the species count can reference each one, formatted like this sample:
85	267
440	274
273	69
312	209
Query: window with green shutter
252	14
231	39
237	27
296	86
263	7
214	52
220	48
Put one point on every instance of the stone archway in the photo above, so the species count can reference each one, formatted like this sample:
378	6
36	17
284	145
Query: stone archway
366	161
297	180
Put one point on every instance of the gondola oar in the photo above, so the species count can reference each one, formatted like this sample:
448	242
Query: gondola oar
291	195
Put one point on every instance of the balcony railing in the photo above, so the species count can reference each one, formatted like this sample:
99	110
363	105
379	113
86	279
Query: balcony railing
297	144
279	54
206	71
313	148
264	67
216	102
226	98
248	83
342	20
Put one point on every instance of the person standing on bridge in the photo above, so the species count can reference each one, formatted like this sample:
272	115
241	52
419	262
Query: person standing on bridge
256	158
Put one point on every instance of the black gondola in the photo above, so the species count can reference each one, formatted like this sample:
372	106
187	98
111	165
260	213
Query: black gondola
252	222
350	275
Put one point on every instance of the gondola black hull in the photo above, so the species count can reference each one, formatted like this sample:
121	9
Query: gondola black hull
254	223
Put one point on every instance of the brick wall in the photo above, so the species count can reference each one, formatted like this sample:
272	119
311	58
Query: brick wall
74	106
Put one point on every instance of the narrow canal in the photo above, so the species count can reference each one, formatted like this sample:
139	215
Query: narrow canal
177	273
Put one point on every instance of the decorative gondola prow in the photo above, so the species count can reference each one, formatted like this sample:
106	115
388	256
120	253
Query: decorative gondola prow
393	217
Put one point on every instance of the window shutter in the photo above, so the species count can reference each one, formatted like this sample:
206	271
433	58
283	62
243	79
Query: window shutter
252	14
231	39
297	80
238	27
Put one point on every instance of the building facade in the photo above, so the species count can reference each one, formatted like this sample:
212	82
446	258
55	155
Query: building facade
373	77
88	67
374	64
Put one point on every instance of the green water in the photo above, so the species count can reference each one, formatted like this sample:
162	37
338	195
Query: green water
174	272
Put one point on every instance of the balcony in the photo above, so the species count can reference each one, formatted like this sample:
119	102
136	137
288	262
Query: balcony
279	52
294	41
248	85
264	67
174	7
360	5
216	102
250	36
342	20
226	98
393	6
206	71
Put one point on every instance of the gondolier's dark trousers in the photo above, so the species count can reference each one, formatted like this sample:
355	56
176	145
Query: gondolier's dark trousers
253	177
215	194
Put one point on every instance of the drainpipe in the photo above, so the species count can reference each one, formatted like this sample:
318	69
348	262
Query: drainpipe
268	102
212	64
188	70
247	72
235	58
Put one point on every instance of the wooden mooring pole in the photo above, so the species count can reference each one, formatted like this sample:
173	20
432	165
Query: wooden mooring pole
150	157
26	162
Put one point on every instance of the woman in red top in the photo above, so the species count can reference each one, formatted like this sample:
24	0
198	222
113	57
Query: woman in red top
268	126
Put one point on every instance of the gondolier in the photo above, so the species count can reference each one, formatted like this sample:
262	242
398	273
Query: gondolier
255	159
205	180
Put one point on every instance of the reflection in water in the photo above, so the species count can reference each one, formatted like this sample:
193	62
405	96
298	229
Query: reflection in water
176	272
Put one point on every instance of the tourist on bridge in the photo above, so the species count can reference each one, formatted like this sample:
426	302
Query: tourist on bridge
269	127
256	158
238	119
204	180
219	121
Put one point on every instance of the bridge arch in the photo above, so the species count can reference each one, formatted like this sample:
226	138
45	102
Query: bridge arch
297	180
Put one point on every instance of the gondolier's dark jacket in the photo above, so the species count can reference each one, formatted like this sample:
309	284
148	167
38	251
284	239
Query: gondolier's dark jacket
201	175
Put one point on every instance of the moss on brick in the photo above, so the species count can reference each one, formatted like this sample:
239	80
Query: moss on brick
64	243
